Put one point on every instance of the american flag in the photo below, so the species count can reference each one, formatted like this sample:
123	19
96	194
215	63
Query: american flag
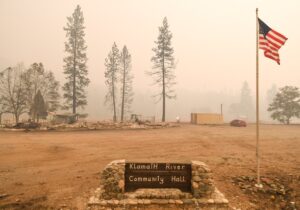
270	41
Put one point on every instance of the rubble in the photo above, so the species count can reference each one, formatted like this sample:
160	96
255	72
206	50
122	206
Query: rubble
27	125
3	196
85	125
275	191
104	125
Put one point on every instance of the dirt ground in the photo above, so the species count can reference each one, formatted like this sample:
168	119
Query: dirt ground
60	170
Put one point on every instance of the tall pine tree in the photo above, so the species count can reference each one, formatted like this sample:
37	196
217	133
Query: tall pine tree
126	82
75	63
163	66
112	64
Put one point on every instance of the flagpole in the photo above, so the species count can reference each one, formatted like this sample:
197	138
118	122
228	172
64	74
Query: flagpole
257	102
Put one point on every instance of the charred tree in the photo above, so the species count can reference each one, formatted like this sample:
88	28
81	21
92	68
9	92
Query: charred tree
36	78
126	82
112	65
12	91
163	66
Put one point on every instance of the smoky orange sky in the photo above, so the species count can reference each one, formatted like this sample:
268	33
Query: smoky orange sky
214	41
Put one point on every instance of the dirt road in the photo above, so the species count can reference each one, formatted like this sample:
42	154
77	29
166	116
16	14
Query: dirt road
40	170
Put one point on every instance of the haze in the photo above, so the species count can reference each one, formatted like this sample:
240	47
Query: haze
214	44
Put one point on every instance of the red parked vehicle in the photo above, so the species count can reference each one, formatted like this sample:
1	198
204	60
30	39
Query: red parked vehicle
238	123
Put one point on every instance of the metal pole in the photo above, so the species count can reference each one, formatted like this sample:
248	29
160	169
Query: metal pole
257	102
221	109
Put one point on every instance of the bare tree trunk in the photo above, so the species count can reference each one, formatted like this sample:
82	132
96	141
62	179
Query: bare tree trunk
123	94
113	94
33	116
164	91
164	100
114	102
16	117
74	78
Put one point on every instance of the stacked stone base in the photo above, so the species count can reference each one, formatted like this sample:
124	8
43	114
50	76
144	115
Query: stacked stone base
166	207
217	201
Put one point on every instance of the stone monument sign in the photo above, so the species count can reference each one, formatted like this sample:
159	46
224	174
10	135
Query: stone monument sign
157	185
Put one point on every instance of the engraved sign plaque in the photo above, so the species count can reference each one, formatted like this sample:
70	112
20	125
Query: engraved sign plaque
157	175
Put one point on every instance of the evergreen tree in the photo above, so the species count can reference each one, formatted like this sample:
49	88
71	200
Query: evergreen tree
75	63
163	66
112	64
286	104
38	109
126	82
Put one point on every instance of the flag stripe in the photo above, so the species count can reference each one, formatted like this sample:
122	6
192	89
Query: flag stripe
273	43
280	35
265	42
275	54
270	51
267	47
270	36
271	57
